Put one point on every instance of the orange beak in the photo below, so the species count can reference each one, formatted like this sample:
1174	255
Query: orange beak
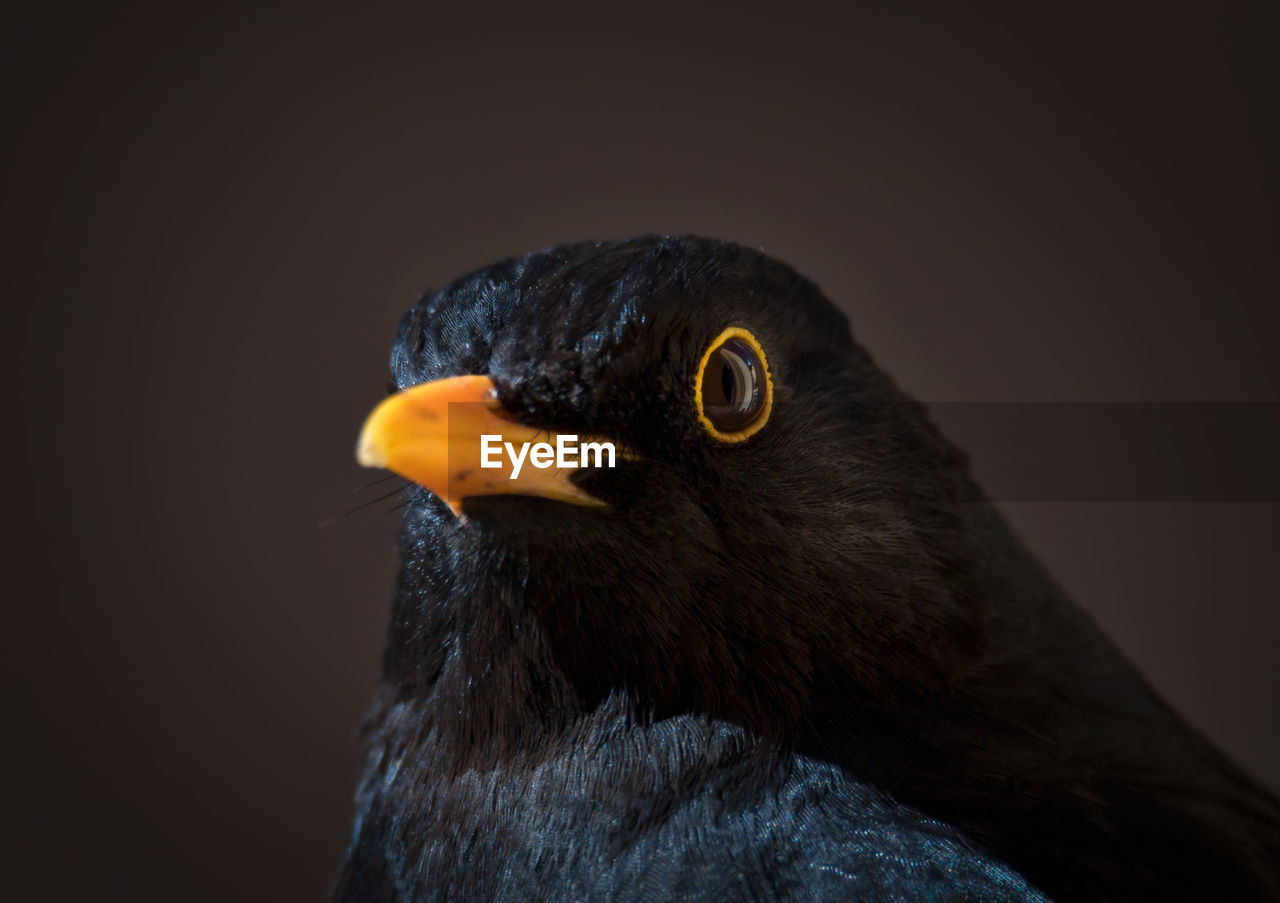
452	437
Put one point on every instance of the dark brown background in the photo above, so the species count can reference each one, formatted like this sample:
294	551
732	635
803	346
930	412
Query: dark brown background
215	220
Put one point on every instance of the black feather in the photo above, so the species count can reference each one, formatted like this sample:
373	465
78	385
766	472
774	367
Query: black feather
816	665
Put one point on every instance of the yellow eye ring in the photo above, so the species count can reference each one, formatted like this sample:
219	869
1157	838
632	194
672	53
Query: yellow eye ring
732	388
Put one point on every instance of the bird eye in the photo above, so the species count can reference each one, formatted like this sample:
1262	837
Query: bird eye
732	388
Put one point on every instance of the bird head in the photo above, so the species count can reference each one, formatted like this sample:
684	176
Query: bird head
779	521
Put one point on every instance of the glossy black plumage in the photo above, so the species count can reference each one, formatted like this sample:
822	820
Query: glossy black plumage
816	665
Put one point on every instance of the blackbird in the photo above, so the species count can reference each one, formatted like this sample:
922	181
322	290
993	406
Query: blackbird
782	649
